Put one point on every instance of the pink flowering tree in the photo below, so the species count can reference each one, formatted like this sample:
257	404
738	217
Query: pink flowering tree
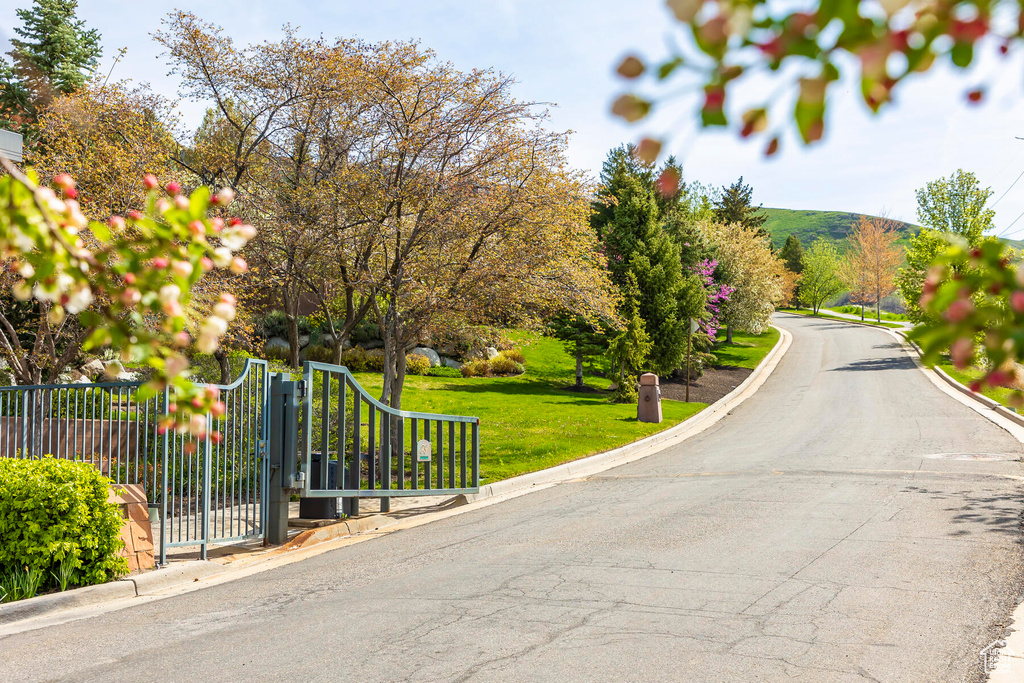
129	280
717	295
974	304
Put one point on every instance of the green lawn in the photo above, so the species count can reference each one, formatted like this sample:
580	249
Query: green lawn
869	313
826	316
968	375
532	422
747	350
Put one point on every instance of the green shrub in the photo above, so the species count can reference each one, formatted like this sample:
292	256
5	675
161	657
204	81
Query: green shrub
319	354
358	359
515	355
365	331
375	360
277	353
354	359
56	511
416	364
502	365
476	368
444	371
275	324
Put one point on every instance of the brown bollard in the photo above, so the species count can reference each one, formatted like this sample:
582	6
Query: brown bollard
648	407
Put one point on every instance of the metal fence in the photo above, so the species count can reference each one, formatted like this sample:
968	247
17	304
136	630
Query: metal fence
205	493
106	425
219	490
379	451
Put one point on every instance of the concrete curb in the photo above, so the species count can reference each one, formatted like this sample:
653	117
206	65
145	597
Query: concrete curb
147	583
340	529
76	597
180	575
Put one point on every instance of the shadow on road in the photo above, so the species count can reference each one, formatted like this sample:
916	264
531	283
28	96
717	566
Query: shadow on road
869	364
1000	511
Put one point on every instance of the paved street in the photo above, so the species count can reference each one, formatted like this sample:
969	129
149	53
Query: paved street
806	536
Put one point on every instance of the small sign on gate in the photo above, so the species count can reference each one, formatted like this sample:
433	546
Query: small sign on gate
423	450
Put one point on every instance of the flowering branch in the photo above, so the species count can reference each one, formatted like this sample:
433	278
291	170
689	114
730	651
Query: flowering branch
128	280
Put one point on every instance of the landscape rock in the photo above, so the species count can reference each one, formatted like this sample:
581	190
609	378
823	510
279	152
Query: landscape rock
303	341
93	369
491	352
451	363
372	344
430	354
276	343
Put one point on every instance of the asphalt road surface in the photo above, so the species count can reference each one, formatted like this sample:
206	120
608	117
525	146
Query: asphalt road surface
806	536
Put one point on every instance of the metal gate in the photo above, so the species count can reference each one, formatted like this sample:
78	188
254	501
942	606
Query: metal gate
378	451
215	491
236	483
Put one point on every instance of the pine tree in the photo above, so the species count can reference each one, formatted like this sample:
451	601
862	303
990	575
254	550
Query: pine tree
582	338
629	350
53	55
735	205
638	247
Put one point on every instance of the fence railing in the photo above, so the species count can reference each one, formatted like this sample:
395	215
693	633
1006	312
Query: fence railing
106	425
378	451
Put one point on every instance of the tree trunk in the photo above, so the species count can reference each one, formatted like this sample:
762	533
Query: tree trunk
398	382
728	333
223	361
291	314
579	367
862	312
878	308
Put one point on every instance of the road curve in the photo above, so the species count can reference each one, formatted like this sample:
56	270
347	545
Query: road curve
812	534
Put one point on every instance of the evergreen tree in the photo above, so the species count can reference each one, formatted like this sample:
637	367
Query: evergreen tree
582	338
629	350
638	247
620	164
735	205
53	55
792	254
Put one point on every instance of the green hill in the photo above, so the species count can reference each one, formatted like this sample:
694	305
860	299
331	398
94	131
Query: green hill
810	225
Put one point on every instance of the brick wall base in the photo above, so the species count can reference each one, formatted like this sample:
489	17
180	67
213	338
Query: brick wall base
135	531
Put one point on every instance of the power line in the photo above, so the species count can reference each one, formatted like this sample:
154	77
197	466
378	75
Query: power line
1003	233
1007	191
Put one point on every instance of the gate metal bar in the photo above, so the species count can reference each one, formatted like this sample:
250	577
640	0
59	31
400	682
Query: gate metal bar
383	464
217	492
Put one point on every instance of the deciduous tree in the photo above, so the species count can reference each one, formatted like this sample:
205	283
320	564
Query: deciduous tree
956	205
805	49
822	276
875	256
746	263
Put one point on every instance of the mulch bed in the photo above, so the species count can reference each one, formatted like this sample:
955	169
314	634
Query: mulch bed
713	385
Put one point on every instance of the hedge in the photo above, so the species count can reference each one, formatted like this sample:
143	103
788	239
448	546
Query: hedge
55	512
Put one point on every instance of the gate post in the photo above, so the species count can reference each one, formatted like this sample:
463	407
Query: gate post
283	455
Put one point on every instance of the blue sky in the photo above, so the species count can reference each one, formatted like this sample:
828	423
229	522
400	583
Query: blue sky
564	52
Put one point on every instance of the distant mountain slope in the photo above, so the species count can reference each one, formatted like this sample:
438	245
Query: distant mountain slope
810	225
